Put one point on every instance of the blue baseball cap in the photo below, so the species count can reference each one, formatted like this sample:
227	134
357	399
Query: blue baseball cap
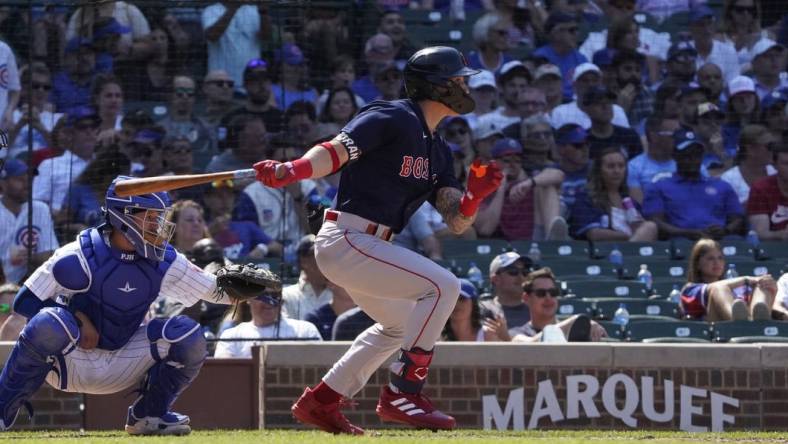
682	47
505	147
14	168
699	13
468	290
111	27
76	43
684	139
776	97
290	54
557	18
689	88
570	134
81	113
603	57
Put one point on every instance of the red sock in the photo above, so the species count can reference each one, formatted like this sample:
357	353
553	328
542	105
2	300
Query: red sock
325	394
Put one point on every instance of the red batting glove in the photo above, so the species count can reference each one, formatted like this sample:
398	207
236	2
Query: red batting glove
293	172
483	180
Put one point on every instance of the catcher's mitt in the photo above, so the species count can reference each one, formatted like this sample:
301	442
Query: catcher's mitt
243	282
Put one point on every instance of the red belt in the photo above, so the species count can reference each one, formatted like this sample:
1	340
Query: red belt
372	229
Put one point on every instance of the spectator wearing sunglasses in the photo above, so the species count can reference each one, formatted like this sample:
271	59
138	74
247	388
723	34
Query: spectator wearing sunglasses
505	306
217	89
11	324
657	162
540	294
181	121
71	86
388	81
34	102
753	161
491	37
145	152
561	49
741	26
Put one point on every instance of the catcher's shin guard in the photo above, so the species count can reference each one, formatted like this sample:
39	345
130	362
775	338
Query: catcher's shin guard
174	372
51	332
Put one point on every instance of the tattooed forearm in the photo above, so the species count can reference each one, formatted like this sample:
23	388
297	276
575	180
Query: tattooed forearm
448	205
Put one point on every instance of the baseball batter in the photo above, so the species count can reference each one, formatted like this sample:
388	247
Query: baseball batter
392	162
86	306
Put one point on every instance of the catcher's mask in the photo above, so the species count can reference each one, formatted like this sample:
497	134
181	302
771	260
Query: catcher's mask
142	220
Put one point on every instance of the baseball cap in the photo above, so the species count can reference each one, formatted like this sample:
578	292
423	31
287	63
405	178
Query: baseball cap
597	93
776	97
689	88
548	69
558	18
681	47
81	113
699	13
603	57
76	43
146	135
684	139
512	68
14	168
306	245
109	28
585	68
763	46
505	147
451	119
740	84
379	48
481	79
708	108
570	134
504	260
468	290
290	54
486	128
255	65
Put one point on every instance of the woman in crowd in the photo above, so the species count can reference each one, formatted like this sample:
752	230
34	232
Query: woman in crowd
465	322
536	135
753	161
624	35
343	74
107	98
741	26
340	107
491	36
151	78
190	224
707	295
605	212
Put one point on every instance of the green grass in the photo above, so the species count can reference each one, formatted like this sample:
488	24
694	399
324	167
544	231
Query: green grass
397	436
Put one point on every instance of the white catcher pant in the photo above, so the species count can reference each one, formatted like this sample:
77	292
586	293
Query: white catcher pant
409	295
101	371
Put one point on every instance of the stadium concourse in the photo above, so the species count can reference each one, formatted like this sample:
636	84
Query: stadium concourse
643	144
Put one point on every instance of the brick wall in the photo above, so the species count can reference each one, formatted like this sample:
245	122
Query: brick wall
53	409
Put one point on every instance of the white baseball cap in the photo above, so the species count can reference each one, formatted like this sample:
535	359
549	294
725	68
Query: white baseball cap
740	84
485	128
583	69
503	260
764	45
548	69
482	78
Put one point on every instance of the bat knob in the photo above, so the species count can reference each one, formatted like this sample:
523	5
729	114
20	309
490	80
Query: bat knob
479	171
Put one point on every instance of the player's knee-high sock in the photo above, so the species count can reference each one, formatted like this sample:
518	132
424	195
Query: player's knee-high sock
170	376
50	332
409	372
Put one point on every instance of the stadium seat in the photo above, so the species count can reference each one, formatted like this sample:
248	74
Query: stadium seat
659	268
736	249
614	331
750	331
673	331
601	250
555	249
572	268
461	248
663	287
607	289
572	306
639	309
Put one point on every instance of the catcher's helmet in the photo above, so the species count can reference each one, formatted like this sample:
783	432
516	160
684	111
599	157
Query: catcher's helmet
428	75
142	219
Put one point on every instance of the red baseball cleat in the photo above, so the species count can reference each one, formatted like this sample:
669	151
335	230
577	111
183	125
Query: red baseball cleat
326	417
413	410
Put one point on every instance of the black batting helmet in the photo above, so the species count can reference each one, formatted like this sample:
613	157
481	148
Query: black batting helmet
428	75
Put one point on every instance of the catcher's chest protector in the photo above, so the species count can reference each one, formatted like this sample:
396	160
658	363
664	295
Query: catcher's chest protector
123	286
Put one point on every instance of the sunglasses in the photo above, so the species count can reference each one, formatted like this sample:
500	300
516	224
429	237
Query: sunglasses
514	272
184	92
222	83
42	86
544	292
742	9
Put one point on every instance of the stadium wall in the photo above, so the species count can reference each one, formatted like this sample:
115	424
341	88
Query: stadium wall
504	386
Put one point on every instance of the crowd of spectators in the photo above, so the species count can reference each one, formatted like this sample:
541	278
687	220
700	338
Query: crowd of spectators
607	129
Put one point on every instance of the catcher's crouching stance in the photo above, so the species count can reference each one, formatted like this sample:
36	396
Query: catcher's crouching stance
86	309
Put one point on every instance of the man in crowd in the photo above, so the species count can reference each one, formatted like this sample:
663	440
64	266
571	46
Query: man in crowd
181	122
710	49
540	294
505	307
710	81
585	77
218	88
767	207
513	83
484	91
633	97
689	205
680	67
597	103
548	78
325	316
388	81
246	141
656	163
561	50
393	25
9	87
71	87
768	67
312	289
571	143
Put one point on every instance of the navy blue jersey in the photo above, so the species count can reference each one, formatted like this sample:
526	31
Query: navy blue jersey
395	163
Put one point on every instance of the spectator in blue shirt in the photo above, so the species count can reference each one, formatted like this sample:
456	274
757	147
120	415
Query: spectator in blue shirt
656	163
689	205
571	143
561	50
71	87
326	315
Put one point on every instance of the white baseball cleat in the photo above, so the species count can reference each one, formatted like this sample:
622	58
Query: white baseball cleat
170	424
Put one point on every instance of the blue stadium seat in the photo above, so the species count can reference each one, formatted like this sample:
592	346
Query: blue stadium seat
672	331
639	309
608	289
572	306
750	331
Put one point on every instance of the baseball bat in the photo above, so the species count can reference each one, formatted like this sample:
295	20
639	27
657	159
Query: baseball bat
144	185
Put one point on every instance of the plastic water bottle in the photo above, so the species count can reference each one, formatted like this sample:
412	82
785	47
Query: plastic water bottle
475	275
731	273
755	244
535	254
644	275
617	259
621	316
631	211
675	295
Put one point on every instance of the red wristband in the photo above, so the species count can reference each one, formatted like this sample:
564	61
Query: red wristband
468	205
333	153
302	168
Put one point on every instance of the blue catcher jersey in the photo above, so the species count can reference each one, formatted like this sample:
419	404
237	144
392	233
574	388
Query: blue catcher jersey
395	163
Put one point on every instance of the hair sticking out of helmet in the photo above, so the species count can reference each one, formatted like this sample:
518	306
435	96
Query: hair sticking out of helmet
431	74
141	219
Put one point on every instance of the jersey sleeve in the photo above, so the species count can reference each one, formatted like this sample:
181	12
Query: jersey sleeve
65	273
370	130
186	283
